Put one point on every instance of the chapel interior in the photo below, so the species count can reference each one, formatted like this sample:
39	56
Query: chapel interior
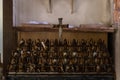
61	40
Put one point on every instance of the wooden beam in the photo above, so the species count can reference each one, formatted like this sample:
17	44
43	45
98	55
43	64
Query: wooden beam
77	29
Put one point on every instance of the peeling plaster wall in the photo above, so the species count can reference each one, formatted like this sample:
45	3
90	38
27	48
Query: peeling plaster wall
85	11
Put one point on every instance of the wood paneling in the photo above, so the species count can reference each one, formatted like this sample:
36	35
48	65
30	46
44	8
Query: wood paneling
9	39
66	35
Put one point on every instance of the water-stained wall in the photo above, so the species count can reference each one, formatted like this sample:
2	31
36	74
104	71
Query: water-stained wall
84	11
